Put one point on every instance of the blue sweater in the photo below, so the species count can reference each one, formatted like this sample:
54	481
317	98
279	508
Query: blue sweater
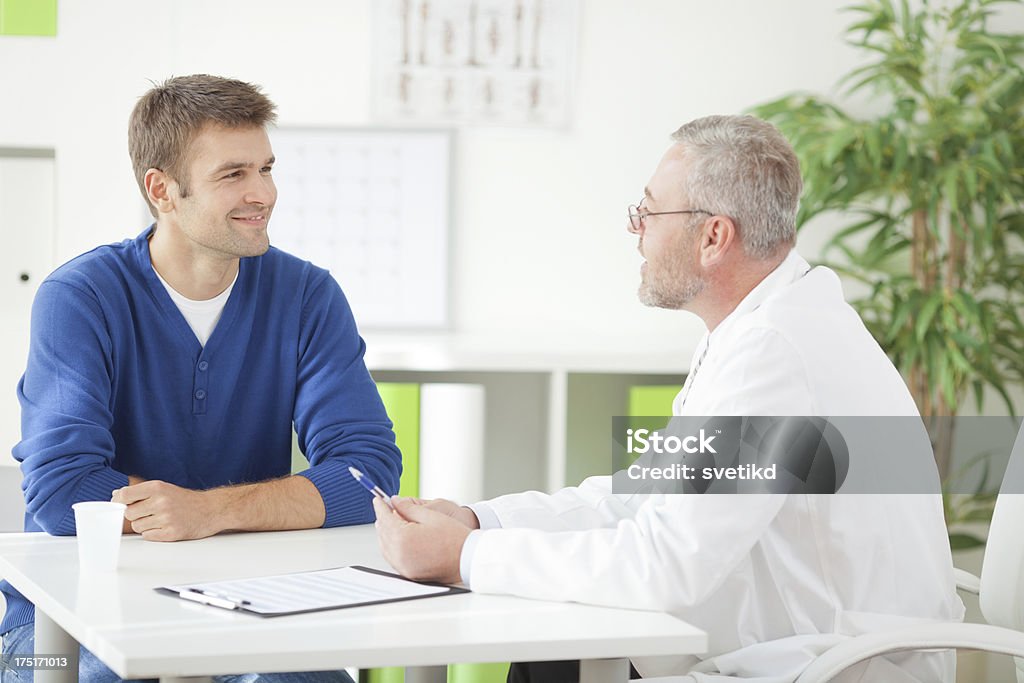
117	384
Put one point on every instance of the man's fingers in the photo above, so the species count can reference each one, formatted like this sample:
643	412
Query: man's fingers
388	531
138	510
132	494
120	496
129	495
159	535
405	506
385	515
145	524
415	513
463	515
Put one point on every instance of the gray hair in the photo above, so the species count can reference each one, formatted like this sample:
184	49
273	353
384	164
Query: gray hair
743	168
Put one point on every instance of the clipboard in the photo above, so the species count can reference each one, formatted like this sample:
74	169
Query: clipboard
313	591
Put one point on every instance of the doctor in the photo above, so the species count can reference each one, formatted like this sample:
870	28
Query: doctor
773	579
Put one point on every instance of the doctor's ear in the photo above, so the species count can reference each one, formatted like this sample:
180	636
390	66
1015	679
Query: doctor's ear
718	236
161	190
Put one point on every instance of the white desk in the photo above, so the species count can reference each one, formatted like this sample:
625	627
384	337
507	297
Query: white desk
140	633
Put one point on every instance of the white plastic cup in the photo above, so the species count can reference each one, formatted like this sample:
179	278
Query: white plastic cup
99	535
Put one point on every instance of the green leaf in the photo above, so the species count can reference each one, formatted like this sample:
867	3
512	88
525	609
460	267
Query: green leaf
952	191
947	380
900	154
983	515
967	307
971	180
958	360
924	319
961	541
901	314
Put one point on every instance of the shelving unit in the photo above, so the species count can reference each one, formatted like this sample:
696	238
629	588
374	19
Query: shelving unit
548	416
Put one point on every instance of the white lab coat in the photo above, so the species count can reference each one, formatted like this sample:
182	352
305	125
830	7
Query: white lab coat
773	579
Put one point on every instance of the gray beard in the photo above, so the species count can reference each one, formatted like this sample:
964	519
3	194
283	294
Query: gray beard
674	300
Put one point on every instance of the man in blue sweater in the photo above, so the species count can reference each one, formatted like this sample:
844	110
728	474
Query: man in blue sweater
166	372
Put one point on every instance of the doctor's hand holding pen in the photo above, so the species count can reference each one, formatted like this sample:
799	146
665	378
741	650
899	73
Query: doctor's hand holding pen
446	507
452	509
422	540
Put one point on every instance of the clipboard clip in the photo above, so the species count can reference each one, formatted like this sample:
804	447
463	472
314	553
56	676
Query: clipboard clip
213	599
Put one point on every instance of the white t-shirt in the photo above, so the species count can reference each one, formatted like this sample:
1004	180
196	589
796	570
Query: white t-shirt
201	316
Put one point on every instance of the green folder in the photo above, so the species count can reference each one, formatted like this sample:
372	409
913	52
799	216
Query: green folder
648	407
28	17
652	400
402	402
390	675
478	673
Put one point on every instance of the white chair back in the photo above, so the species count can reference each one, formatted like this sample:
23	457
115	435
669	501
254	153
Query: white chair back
1001	595
1002	573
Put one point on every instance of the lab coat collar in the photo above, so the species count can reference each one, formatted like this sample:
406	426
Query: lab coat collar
791	269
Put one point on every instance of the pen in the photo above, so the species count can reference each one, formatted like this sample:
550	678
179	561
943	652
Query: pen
201	596
370	486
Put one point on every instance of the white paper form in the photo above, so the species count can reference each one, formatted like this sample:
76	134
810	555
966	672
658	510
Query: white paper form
308	591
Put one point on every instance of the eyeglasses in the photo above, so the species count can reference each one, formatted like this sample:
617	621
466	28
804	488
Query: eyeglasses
636	219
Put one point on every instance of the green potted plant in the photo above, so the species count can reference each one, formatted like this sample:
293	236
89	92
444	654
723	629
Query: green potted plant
932	188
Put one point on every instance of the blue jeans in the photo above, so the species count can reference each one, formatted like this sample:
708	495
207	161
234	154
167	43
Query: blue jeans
21	641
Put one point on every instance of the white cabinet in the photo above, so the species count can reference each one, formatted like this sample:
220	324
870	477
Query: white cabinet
27	234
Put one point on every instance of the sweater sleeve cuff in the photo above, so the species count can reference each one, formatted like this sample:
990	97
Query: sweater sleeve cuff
98	485
485	515
345	501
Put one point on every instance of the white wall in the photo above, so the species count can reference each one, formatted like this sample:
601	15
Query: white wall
539	251
541	260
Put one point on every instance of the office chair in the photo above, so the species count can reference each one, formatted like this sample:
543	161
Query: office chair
1000	590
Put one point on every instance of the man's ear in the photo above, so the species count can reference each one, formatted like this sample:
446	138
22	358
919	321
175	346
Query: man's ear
718	237
161	190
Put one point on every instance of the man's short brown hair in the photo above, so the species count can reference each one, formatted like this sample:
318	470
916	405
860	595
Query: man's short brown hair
167	119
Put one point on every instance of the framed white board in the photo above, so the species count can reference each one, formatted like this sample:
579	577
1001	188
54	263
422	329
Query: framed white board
372	206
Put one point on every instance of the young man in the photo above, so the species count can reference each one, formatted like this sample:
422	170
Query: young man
166	372
772	579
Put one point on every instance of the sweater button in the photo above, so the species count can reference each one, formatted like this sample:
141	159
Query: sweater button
203	365
200	394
